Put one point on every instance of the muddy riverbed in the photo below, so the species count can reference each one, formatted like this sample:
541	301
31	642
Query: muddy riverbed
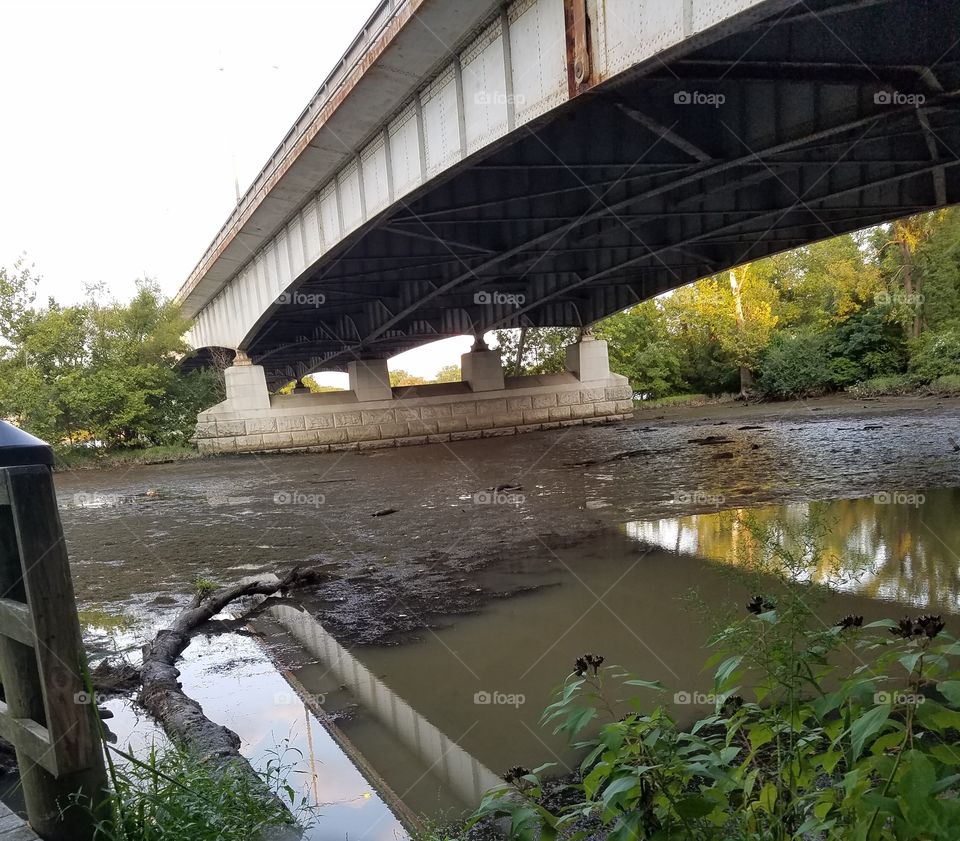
449	566
141	536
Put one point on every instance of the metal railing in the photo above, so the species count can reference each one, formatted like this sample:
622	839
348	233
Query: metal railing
350	59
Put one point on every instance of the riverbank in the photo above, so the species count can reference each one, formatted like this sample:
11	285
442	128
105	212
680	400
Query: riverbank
89	458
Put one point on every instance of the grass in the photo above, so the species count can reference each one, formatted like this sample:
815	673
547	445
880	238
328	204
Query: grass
169	796
106	620
948	385
685	400
900	384
80	458
896	384
203	587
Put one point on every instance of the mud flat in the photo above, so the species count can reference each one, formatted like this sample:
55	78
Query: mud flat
455	519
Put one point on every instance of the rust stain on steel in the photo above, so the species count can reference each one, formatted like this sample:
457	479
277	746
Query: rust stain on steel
580	75
344	88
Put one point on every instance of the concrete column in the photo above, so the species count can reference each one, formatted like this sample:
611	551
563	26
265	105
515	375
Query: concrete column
482	370
370	379
246	387
588	359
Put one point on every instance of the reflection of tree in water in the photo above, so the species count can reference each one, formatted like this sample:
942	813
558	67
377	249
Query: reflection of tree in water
898	552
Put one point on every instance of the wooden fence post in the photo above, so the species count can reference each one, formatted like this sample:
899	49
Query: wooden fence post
46	713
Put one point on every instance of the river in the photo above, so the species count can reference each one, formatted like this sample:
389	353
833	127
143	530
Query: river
415	673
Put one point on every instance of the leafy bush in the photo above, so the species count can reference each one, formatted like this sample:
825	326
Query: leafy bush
936	354
876	386
795	366
816	750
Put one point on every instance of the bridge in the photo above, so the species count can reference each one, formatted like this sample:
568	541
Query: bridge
471	166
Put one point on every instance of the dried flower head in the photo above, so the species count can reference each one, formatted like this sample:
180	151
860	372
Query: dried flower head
929	625
850	621
587	662
758	605
516	774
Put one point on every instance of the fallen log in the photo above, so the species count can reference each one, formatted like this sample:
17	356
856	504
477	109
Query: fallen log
161	694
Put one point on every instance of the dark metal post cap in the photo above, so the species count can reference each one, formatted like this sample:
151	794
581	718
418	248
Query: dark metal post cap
18	448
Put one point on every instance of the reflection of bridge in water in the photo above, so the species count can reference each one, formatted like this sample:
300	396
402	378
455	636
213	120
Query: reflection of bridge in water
459	772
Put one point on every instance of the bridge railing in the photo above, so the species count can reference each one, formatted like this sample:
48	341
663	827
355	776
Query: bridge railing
384	13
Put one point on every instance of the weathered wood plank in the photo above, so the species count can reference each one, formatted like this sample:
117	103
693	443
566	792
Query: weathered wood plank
16	622
50	598
43	685
28	736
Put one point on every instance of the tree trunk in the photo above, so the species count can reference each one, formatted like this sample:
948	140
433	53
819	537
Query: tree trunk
746	376
911	287
521	341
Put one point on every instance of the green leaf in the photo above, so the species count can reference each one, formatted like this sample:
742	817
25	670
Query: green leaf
767	798
619	789
915	791
951	691
646	684
759	735
725	670
868	725
909	661
694	806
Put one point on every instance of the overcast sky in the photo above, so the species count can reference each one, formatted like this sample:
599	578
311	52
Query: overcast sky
125	124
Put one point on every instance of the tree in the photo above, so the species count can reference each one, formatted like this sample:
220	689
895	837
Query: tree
730	317
543	350
401	378
448	374
99	371
938	260
17	294
641	349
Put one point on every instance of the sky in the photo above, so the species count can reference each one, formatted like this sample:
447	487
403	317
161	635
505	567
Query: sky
125	126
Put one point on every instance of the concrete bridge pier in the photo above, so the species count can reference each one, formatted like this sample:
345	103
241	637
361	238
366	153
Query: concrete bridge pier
481	368
372	415
370	379
246	385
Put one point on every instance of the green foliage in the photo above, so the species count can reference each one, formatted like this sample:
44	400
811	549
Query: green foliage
17	293
817	733
203	587
879	386
543	352
867	344
687	400
796	366
79	458
402	378
939	261
948	385
936	354
171	796
448	374
99	372
641	350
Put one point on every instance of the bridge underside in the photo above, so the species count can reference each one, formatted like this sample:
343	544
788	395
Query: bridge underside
824	119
